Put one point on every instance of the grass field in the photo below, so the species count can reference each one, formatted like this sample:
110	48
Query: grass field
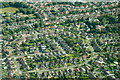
69	55
8	10
29	15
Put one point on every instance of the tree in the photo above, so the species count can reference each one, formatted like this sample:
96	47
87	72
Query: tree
37	15
17	4
20	4
78	3
22	18
26	18
62	9
5	4
29	11
37	25
17	11
9	20
33	12
14	4
11	3
103	21
23	10
119	18
18	19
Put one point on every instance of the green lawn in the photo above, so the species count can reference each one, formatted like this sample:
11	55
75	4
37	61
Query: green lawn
8	10
70	55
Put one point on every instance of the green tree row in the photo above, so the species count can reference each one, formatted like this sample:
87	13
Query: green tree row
14	4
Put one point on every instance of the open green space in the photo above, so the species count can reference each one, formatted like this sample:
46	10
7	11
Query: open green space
8	10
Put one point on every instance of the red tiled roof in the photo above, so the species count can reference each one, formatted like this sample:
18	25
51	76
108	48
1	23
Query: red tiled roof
84	56
19	42
77	69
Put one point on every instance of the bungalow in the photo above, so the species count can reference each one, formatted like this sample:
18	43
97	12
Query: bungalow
91	75
101	28
82	69
19	42
22	61
77	69
47	23
84	56
43	46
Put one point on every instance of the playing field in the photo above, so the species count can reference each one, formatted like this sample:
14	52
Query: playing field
8	10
